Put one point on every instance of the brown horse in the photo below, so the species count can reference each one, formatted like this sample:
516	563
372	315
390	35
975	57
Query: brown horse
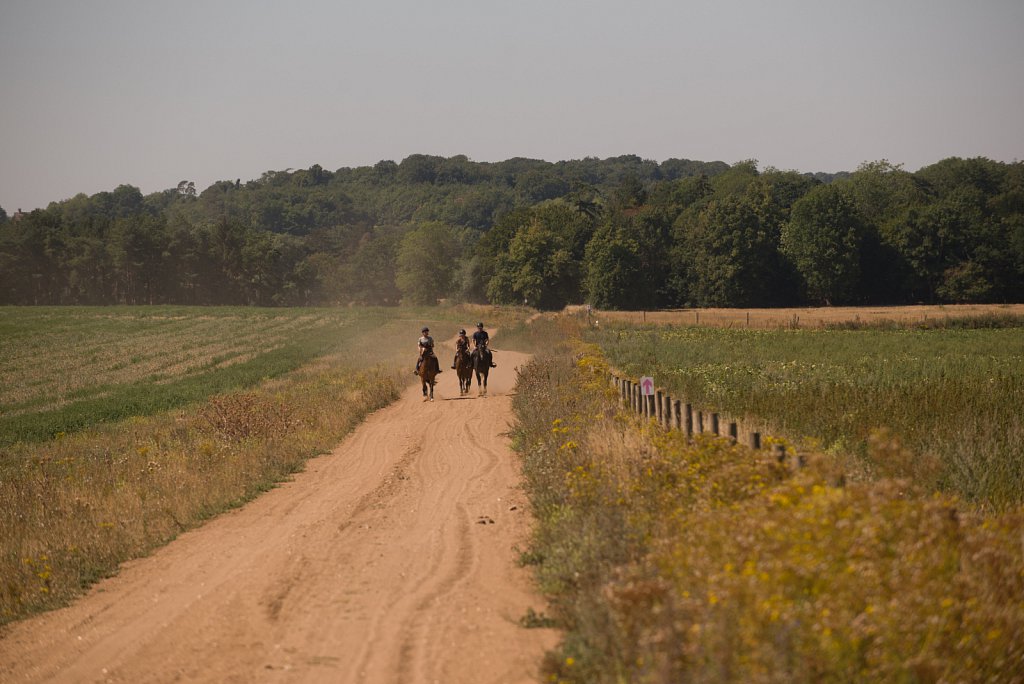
482	366
464	369
428	374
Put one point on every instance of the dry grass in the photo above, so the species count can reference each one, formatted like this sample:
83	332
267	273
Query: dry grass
809	317
73	508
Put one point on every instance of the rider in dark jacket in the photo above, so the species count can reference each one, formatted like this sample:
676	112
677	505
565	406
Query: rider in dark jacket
480	339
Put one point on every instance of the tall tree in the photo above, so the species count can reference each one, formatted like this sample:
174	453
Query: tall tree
541	265
371	272
614	271
727	255
427	263
823	238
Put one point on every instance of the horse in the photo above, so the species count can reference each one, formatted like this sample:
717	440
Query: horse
429	369
464	369
482	366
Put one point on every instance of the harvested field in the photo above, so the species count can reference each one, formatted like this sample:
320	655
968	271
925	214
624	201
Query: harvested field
810	317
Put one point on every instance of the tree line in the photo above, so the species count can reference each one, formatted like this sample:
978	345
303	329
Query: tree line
622	232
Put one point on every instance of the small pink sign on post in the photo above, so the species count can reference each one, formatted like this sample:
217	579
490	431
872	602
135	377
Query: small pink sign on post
647	386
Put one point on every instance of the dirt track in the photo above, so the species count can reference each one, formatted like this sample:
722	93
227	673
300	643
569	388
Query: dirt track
379	563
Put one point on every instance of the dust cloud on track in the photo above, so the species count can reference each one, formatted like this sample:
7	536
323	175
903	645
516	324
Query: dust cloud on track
389	560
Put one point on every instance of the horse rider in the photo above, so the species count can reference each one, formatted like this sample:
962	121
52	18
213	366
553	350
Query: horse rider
426	348
480	339
461	345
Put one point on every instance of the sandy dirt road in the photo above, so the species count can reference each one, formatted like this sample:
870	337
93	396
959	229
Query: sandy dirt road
389	560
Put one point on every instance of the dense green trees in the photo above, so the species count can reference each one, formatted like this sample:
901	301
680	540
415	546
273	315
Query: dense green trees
823	238
623	232
543	261
614	270
427	263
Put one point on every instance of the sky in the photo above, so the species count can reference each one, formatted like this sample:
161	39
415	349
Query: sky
108	92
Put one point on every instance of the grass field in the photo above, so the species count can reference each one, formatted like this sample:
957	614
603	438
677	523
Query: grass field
64	369
669	561
951	397
123	426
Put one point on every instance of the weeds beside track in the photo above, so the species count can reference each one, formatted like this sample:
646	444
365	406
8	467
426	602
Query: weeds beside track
667	561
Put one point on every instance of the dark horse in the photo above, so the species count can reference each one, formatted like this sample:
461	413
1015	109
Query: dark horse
482	366
464	369
428	374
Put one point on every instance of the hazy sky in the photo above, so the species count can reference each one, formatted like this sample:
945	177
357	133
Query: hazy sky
103	92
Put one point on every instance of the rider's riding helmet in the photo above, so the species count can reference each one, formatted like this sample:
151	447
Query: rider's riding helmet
480	325
462	332
425	329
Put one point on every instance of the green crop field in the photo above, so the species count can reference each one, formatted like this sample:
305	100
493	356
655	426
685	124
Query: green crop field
64	369
950	397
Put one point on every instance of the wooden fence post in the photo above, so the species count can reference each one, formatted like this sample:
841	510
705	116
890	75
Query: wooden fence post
688	414
650	406
658	407
699	427
677	414
755	440
714	424
734	432
668	411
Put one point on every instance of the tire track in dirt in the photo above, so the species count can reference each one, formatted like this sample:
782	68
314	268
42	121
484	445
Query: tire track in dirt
376	564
